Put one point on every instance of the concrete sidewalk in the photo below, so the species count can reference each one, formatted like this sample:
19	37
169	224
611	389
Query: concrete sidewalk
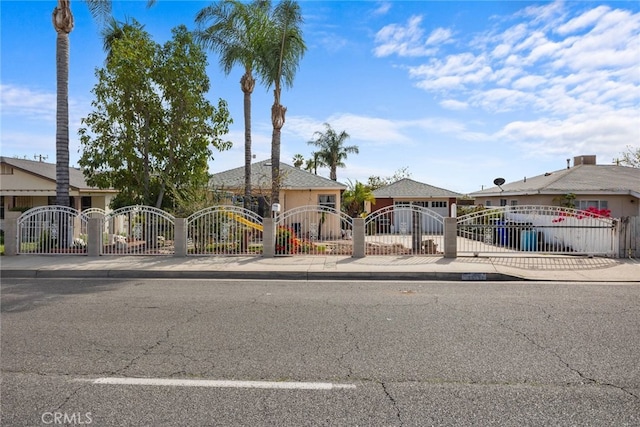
539	268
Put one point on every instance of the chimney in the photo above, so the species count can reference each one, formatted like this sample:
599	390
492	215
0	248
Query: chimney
584	160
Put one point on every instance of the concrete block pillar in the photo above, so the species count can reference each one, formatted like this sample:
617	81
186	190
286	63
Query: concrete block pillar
359	245
269	237
11	233
180	237
450	238
94	236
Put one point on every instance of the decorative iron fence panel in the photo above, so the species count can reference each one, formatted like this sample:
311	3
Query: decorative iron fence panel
630	237
138	230
224	230
314	230
52	230
404	230
512	230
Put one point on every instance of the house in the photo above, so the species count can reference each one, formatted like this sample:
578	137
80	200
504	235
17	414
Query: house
298	187
407	191
28	183
585	185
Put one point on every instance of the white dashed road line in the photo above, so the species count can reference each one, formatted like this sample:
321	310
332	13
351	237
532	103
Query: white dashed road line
173	382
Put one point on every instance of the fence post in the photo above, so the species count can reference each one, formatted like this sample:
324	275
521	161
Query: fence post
359	244
94	236
268	237
180	237
11	232
450	237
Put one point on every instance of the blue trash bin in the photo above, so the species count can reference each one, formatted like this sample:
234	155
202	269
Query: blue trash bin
528	240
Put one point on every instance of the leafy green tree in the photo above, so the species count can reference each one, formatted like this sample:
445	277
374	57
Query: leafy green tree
63	24
331	149
236	31
152	130
280	57
354	197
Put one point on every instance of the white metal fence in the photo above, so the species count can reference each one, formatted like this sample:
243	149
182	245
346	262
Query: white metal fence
404	230
512	230
314	230
138	230
224	230
52	230
322	230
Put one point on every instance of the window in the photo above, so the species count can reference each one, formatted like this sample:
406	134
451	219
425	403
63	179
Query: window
6	170
503	202
586	204
439	204
85	202
487	203
1	207
328	200
514	203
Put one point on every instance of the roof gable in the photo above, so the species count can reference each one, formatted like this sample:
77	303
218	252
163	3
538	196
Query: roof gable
408	188
46	171
292	178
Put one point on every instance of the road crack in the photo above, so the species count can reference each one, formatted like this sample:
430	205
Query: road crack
393	401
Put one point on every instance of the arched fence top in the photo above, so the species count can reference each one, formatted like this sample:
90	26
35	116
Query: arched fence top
388	210
291	213
40	210
141	209
94	212
520	212
231	210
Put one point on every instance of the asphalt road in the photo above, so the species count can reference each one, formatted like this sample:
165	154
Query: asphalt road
319	353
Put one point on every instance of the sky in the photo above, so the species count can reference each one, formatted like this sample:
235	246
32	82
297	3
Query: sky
455	93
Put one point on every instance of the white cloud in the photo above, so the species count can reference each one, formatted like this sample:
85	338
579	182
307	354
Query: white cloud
580	22
383	8
439	36
401	40
453	104
25	102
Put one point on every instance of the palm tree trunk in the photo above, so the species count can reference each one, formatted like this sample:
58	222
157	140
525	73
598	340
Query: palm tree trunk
63	24
247	84
277	118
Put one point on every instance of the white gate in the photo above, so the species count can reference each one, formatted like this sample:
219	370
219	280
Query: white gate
314	230
138	230
52	230
224	230
404	230
513	230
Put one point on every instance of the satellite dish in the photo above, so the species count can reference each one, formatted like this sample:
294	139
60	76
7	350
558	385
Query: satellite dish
498	181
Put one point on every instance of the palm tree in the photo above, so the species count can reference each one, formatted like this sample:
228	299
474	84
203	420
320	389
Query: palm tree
280	56
237	33
298	160
354	197
332	151
63	24
313	163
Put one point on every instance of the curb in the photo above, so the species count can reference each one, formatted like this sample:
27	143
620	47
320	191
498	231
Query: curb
260	275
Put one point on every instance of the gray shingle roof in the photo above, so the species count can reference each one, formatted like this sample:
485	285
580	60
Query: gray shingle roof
47	171
585	179
408	188
293	178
